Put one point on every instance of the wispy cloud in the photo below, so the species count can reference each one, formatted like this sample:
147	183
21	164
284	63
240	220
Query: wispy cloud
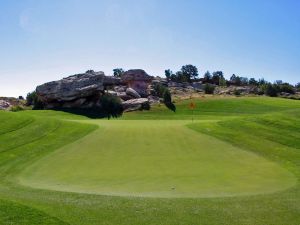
27	21
24	19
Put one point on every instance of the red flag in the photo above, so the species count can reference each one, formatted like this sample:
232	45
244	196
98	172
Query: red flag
192	105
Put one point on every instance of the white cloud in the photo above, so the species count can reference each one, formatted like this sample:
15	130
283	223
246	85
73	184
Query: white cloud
27	22
24	19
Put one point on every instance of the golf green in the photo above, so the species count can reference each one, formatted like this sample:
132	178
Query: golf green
161	158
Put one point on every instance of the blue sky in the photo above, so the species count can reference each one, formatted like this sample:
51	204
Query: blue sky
45	40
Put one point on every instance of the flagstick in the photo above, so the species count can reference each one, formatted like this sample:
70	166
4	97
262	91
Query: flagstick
193	116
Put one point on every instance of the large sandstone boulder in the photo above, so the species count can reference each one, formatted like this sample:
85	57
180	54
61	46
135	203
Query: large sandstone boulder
138	80
80	90
124	96
72	87
134	104
133	93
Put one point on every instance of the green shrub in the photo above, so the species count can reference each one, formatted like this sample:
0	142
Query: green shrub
237	92
33	100
159	90
271	90
285	87
146	106
209	88
16	108
111	106
168	100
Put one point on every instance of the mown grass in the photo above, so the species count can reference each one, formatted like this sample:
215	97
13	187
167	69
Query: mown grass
267	127
155	159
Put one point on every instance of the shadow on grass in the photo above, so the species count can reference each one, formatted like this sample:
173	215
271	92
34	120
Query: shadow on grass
92	113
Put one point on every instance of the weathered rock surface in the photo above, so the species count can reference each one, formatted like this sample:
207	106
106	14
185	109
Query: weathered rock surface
133	93
139	80
232	90
153	99
7	102
114	93
81	90
120	88
72	87
4	104
124	96
134	104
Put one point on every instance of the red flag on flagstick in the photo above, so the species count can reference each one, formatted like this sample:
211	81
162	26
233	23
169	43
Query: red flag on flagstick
192	105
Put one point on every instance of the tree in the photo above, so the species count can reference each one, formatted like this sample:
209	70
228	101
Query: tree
253	82
297	86
181	77
168	74
262	81
271	90
222	82
236	80
33	100
174	77
159	90
233	78
168	100
216	77
111	106
209	88
207	77
118	72
189	71
244	81
286	87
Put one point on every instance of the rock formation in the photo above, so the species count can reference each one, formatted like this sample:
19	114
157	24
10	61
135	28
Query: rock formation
4	104
132	92
81	90
135	104
138	80
84	90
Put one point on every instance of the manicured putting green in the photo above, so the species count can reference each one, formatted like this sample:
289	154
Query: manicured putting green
155	159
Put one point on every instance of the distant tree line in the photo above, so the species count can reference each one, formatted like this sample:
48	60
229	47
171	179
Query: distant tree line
189	73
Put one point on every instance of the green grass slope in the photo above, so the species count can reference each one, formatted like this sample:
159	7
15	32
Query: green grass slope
266	129
155	159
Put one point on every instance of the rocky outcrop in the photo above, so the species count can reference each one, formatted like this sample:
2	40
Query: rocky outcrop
135	104
133	93
72	87
4	105
124	96
7	103
138	80
80	90
236	90
154	100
